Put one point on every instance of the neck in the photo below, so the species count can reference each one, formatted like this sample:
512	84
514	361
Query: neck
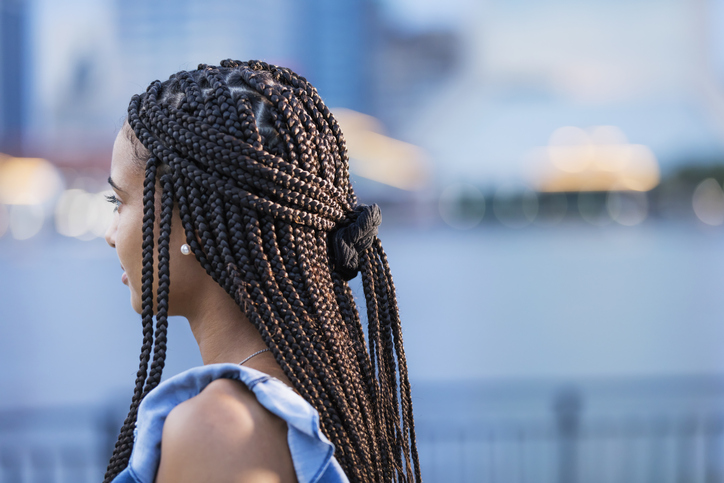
222	330
224	333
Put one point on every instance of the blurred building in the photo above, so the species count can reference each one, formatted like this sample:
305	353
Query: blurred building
334	43
412	67
14	81
91	57
156	39
119	47
327	42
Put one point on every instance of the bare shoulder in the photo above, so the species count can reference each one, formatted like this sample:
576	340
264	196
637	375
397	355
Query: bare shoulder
224	434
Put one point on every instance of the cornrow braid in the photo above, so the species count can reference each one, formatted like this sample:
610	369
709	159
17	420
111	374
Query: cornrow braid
258	168
124	444
159	345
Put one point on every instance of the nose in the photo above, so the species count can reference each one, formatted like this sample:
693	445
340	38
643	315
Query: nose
111	233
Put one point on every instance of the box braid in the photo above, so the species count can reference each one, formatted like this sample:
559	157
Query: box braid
258	167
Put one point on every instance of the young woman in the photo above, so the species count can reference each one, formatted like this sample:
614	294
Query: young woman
235	210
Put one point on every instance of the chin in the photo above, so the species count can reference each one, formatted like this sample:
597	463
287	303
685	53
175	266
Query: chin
136	304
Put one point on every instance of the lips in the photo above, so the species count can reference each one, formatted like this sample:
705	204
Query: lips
124	278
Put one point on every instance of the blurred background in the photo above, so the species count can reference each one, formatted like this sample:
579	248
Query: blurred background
550	174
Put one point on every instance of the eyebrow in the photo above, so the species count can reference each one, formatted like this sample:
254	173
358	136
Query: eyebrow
112	183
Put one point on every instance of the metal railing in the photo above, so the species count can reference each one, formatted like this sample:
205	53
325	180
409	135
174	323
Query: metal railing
60	444
74	444
660	450
570	448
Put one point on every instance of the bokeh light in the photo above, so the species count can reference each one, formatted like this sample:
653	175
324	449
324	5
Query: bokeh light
552	208
4	219
82	215
592	207
375	156
462	206
570	149
28	181
595	159
26	221
515	206
627	208
708	202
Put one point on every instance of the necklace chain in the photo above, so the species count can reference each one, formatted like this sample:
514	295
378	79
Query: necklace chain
254	354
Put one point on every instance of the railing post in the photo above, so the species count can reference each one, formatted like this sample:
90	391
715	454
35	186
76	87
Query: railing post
11	464
567	409
713	430
109	424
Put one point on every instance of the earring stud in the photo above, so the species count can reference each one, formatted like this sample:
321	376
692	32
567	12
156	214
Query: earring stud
185	249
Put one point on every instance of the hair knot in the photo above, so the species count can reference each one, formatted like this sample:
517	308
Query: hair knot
347	242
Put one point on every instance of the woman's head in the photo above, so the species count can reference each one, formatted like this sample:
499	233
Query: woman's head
126	236
245	163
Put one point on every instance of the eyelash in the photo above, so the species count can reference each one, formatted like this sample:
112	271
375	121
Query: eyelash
114	200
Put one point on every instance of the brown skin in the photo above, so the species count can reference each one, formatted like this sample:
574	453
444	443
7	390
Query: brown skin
223	434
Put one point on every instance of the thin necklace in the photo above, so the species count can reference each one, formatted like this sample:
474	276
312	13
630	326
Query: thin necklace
254	354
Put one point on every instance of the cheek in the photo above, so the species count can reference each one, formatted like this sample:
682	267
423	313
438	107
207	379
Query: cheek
129	245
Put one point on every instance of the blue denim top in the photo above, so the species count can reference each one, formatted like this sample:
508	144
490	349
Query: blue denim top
312	453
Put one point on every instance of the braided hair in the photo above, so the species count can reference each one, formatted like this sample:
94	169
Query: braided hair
258	168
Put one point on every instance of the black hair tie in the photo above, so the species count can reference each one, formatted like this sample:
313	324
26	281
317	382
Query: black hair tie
349	241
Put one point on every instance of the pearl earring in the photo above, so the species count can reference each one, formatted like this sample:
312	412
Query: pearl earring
185	249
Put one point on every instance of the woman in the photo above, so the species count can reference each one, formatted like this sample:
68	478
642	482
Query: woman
243	166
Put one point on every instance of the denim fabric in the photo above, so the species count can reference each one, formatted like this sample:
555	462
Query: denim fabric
312	453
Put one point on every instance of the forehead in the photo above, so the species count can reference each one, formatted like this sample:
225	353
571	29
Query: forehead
124	168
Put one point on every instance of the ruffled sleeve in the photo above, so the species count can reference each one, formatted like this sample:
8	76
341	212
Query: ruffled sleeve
312	453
